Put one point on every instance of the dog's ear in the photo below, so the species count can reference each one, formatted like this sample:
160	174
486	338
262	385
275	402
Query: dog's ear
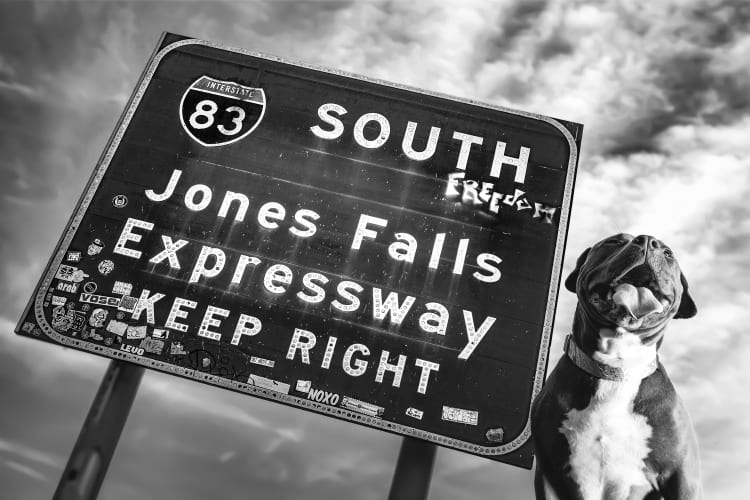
687	306
570	281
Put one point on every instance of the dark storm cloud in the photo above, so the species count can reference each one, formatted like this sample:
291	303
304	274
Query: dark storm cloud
553	46
685	57
511	24
519	31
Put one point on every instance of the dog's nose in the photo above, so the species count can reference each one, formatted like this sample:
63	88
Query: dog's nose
648	242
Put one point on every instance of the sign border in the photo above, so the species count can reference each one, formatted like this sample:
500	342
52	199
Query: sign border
103	165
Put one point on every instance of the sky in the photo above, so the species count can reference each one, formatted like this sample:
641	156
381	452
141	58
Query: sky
662	88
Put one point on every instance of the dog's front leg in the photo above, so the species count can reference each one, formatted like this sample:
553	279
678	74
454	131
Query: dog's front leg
683	486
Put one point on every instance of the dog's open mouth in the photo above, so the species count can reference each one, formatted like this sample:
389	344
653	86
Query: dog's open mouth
631	296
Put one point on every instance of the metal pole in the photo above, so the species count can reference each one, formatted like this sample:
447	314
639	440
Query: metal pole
411	480
88	462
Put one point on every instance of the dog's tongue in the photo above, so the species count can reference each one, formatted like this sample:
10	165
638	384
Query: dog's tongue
638	301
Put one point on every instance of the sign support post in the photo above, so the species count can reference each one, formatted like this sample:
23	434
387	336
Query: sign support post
89	460
411	479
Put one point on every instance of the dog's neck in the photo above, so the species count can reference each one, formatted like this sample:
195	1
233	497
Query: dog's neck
635	355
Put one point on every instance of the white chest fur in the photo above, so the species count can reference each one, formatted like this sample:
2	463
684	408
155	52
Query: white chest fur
608	441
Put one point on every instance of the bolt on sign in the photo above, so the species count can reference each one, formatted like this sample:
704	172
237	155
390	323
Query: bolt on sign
380	254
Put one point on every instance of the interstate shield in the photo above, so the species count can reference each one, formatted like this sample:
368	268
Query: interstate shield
217	112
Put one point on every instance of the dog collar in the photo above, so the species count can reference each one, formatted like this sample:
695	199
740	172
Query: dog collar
596	369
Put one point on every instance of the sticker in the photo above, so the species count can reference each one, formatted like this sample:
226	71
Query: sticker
136	332
28	327
117	327
95	247
325	397
131	349
495	435
98	317
460	415
67	287
70	273
64	320
62	323
160	333
90	333
89	287
177	349
79	320
362	407
101	300
303	385
120	201
267	383
414	413
262	361
58	301
73	256
105	267
152	346
128	304
122	288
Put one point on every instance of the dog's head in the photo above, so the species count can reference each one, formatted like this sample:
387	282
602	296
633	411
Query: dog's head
631	282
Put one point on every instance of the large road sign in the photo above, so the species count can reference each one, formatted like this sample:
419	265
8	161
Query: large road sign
376	253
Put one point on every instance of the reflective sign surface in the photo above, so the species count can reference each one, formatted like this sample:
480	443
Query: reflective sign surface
359	249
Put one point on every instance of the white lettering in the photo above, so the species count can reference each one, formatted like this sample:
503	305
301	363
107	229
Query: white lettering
359	129
520	163
362	230
304	346
210	321
127	234
475	336
325	113
408	143
168	191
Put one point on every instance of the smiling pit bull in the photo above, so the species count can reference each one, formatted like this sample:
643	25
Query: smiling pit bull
608	423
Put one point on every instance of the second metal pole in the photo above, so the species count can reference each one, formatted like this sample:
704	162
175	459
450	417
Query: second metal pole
411	479
88	462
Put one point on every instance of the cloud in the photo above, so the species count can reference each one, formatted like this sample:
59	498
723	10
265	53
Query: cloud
662	88
24	452
26	470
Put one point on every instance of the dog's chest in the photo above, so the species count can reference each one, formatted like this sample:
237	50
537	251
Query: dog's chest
609	442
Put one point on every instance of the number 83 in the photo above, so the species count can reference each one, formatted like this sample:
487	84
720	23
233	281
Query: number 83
203	117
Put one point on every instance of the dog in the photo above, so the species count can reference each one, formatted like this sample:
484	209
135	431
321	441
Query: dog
608	423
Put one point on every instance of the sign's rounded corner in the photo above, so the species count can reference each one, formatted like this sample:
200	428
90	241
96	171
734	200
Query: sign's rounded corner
176	45
567	136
